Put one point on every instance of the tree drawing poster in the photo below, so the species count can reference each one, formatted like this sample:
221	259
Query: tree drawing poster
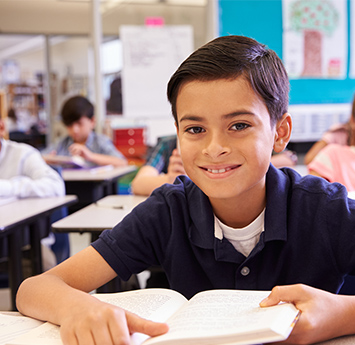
315	38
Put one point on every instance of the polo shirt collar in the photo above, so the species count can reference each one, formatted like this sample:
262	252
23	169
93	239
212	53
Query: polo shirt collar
201	230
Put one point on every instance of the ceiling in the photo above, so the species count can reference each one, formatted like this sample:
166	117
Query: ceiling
21	21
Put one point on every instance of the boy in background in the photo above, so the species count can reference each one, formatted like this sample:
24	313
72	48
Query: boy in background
78	117
24	174
236	222
163	165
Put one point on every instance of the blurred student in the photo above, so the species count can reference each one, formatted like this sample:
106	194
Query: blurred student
164	164
78	117
342	134
335	163
24	174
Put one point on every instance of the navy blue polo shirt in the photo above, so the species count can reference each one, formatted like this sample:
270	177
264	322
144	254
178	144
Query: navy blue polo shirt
309	238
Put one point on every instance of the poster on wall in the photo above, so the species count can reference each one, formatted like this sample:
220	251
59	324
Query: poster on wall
315	38
151	54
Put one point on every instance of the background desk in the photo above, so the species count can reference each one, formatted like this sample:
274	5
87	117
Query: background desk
104	214
90	187
15	218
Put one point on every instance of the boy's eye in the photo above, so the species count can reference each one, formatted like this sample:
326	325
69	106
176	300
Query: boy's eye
240	126
195	130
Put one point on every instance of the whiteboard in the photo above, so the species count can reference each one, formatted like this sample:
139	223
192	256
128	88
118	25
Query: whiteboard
151	54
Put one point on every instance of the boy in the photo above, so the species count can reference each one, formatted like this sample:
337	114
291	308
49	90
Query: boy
23	172
239	223
78	117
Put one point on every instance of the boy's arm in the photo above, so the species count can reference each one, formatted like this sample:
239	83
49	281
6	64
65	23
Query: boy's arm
96	158
35	179
60	296
323	315
148	177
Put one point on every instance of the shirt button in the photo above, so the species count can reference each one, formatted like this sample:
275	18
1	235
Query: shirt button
245	271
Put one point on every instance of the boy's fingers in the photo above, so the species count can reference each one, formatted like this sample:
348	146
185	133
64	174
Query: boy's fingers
288	293
151	328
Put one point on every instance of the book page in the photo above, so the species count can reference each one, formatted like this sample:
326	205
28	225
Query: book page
14	324
152	304
223	314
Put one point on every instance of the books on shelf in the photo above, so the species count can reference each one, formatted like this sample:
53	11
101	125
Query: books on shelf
210	317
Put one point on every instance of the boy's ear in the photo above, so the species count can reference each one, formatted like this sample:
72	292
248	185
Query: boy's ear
283	132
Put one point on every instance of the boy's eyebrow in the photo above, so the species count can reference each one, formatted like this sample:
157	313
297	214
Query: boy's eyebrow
226	116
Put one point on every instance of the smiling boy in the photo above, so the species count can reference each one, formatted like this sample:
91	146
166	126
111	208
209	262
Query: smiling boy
235	223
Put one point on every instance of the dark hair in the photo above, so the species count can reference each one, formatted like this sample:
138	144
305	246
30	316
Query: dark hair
230	57
75	108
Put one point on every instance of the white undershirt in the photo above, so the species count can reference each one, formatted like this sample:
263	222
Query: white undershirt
243	239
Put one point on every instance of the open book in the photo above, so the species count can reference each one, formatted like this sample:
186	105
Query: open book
65	161
210	317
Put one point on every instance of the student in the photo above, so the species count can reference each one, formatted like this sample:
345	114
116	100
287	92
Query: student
23	172
164	164
236	222
342	134
335	163
78	117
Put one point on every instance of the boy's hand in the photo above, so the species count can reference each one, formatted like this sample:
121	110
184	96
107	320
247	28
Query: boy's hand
80	150
175	167
323	315
102	323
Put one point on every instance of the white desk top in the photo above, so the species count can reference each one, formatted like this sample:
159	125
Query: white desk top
96	174
104	214
22	209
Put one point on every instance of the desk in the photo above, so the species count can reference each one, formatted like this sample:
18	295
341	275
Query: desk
15	216
90	187
104	214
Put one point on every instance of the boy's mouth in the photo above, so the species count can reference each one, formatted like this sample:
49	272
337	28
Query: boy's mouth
219	170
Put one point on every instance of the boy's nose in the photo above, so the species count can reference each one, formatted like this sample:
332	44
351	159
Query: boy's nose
75	128
216	146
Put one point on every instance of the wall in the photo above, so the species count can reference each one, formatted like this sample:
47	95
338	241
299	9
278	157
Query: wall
263	21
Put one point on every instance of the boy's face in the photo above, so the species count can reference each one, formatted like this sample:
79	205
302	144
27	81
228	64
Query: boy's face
225	136
81	129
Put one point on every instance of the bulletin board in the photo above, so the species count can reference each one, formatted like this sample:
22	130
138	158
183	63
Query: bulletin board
262	20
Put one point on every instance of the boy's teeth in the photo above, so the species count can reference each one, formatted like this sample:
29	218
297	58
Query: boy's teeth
217	171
